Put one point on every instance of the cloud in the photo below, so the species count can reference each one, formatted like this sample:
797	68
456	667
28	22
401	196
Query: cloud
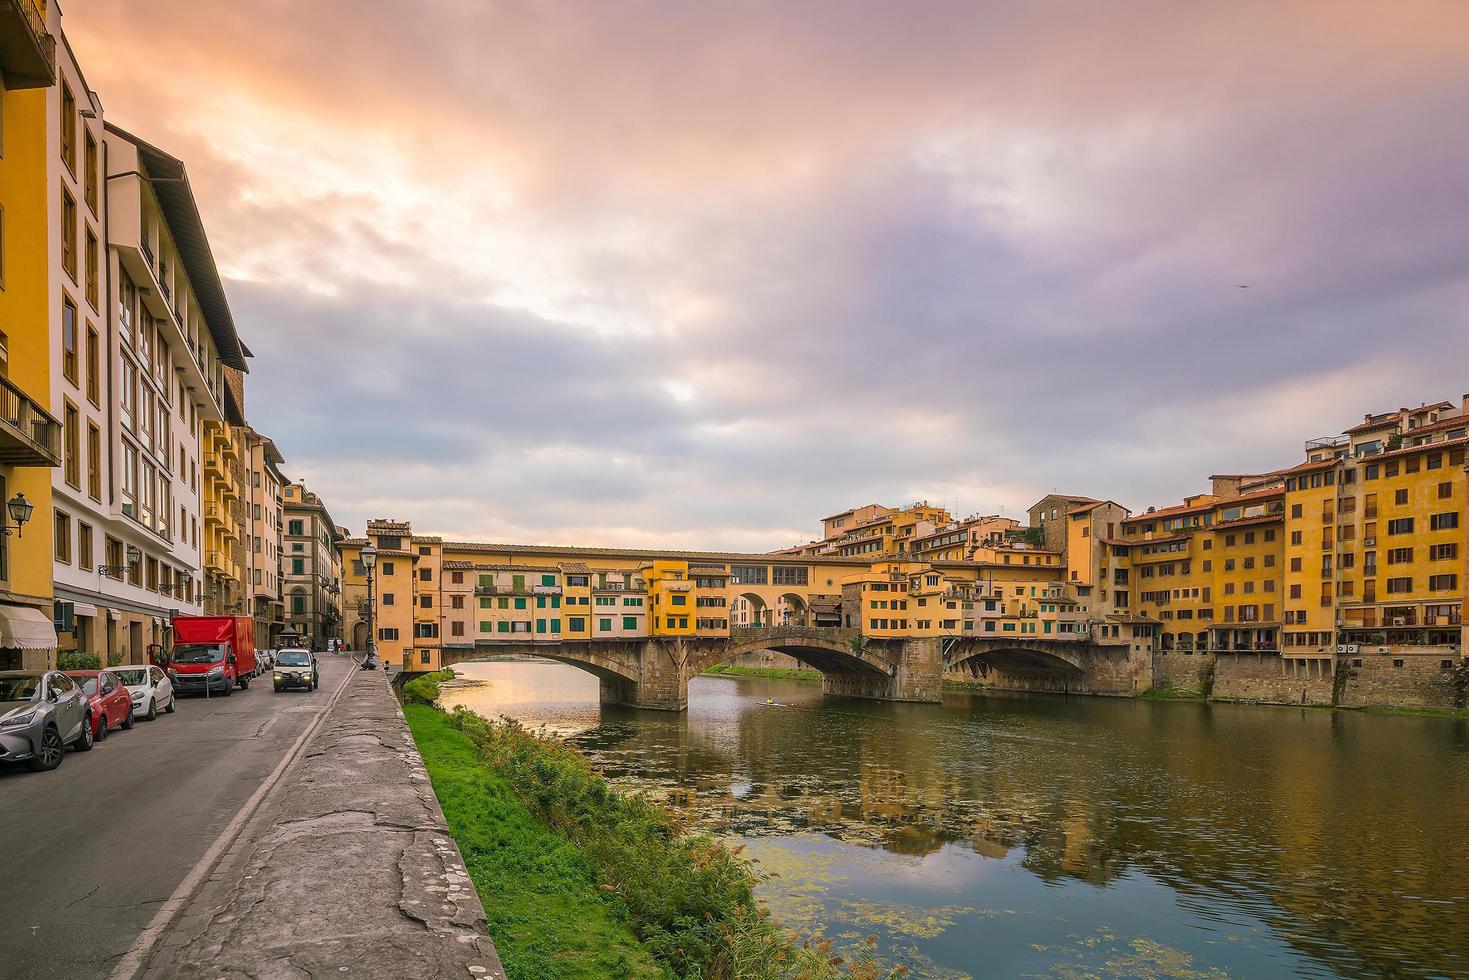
697	275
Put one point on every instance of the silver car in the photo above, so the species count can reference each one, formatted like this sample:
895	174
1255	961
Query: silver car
41	713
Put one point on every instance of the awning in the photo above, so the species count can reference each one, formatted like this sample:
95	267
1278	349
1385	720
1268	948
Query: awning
26	628
83	609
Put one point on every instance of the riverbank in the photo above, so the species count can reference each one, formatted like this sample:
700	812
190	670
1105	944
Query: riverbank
770	673
585	881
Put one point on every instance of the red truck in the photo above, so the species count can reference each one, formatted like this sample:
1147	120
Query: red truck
211	654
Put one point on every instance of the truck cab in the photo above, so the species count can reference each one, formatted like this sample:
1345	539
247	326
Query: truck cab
211	654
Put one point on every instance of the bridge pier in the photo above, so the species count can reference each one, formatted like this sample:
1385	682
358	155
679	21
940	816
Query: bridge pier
919	675
662	682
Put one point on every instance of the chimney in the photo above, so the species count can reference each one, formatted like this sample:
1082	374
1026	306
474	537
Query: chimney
1466	404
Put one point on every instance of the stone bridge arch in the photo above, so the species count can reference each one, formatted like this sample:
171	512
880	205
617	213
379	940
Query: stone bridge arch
978	656
829	650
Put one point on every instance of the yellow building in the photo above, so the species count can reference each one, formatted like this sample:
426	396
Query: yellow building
30	436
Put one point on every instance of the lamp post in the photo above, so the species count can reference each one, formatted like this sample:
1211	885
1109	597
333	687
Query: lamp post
20	512
369	561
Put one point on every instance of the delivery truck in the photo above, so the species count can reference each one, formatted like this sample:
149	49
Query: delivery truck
211	654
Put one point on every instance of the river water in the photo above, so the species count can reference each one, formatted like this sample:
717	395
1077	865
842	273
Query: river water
1047	836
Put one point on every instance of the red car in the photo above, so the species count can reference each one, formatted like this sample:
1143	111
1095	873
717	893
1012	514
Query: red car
112	705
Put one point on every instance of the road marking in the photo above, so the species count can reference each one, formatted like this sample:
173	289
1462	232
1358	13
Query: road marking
137	956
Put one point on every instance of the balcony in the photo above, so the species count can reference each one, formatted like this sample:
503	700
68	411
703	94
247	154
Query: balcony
27	52
29	435
488	590
216	562
548	589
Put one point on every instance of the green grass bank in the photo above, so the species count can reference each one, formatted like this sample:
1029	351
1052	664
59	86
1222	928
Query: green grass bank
581	880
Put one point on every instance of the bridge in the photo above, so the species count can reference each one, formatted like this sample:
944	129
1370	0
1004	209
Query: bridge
655	672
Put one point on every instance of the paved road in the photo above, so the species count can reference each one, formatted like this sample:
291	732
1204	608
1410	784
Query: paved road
90	851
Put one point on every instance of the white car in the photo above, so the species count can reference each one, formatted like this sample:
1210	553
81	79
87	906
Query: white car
149	687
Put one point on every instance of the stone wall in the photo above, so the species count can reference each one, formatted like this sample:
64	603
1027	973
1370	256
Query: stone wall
1272	679
1177	670
1431	678
770	659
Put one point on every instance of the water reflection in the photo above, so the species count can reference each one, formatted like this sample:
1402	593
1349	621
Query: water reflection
1056	837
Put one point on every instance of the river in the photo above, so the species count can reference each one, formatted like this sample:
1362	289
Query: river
1056	837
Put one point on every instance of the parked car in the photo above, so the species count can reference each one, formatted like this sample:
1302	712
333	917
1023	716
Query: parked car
112	705
149	688
41	713
296	668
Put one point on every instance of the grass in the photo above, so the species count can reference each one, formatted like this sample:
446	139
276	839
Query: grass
771	673
1170	694
546	913
1460	713
425	689
580	879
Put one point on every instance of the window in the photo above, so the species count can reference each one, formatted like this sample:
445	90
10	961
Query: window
298	566
93	274
748	575
1442	583
71	423
388	633
486	626
295	527
1400	497
1396	586
425	602
68	128
68	339
1400	556
786	575
456	628
1445	491
1444	522
1295	537
629	622
90	161
576	624
63	537
1443	552
69	234
425	574
548	580
1401	525
389	599
388	568
605	625
84	546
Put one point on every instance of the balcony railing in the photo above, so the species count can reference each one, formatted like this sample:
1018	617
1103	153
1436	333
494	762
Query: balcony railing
27	51
29	435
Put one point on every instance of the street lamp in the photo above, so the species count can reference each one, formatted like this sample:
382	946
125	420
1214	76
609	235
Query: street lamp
369	561
20	512
134	556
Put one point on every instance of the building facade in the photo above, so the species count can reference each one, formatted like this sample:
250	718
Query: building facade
31	444
266	529
311	568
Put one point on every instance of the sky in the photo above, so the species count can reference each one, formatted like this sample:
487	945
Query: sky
697	275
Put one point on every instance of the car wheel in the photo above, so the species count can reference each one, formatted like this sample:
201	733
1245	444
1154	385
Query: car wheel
244	683
128	722
229	689
49	753
86	739
152	714
101	735
169	710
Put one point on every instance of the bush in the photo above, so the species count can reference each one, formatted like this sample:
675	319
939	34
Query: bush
78	660
689	899
425	689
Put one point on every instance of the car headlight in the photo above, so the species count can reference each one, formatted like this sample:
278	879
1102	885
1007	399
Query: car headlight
216	672
279	676
19	721
307	675
137	695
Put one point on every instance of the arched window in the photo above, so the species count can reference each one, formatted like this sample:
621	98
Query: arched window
298	601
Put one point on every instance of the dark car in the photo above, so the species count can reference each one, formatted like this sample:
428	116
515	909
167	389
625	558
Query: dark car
296	668
41	713
112	703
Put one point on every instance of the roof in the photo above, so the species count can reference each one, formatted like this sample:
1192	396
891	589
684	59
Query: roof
575	567
1211	505
593	552
176	198
1374	422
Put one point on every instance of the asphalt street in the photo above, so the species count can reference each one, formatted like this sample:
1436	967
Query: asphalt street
90	851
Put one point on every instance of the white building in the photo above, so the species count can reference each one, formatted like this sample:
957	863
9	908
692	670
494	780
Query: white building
142	331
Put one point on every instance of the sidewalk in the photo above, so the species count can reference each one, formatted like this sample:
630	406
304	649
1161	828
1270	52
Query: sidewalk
346	870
